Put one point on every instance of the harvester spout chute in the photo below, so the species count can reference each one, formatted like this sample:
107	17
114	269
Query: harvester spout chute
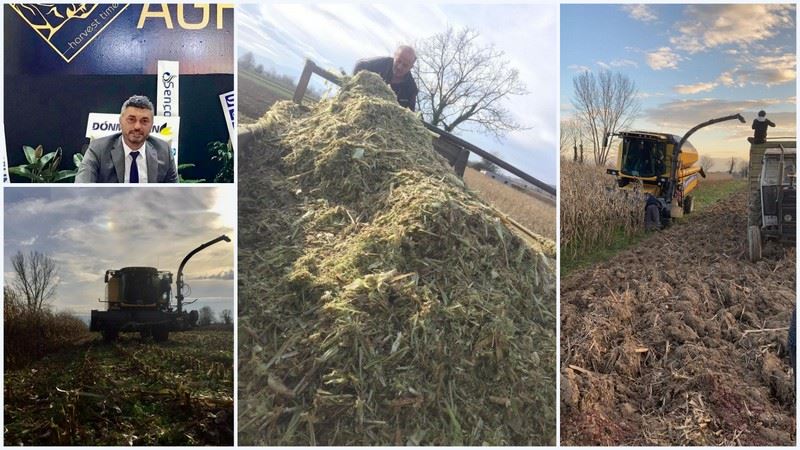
179	281
670	190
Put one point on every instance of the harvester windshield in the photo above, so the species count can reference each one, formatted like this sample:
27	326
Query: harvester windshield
772	170
643	157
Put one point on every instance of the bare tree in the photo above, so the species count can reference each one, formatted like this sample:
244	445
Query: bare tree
733	165
227	317
743	168
706	162
206	316
565	137
36	278
605	104
572	136
247	61
11	301
462	82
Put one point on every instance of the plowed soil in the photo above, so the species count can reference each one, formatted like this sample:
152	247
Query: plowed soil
671	342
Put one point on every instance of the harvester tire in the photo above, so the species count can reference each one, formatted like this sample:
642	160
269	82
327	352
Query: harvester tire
754	242
160	334
688	205
110	334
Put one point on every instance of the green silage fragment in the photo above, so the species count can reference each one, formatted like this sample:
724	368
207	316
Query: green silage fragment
407	305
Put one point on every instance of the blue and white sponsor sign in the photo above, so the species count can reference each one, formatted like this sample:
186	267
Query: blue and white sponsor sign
228	102
168	88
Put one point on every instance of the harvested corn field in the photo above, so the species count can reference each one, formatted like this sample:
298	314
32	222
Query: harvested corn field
131	392
380	302
681	340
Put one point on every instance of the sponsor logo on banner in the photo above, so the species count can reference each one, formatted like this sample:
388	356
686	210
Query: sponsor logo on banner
228	101
164	128
168	88
68	28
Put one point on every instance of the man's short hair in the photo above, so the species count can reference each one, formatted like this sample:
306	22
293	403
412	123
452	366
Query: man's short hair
406	48
137	101
762	113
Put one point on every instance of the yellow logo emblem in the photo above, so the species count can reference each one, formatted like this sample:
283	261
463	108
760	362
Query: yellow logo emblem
68	27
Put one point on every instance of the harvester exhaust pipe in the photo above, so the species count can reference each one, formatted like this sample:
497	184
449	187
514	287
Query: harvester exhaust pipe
179	281
673	173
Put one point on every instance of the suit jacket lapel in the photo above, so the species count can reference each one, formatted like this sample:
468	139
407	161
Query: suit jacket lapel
152	163
118	158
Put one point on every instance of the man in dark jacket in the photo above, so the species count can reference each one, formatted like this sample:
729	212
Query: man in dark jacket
396	72
760	124
652	214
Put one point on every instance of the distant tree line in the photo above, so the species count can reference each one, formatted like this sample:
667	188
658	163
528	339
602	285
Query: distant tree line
247	63
207	316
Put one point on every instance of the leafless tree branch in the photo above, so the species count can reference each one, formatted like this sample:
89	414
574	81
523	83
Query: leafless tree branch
605	103
463	83
36	278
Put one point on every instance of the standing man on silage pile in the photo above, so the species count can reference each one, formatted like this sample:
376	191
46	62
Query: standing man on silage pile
760	124
396	72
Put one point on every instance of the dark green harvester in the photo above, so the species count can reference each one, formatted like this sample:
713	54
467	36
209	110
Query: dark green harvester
139	299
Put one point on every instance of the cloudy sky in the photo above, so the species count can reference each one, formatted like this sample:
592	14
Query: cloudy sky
691	64
337	35
88	230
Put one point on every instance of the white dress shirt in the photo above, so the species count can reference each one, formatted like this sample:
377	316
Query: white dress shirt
141	162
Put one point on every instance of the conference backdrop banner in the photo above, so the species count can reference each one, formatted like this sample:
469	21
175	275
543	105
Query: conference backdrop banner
65	61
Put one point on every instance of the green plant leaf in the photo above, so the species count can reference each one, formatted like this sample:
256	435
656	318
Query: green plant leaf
21	171
77	159
47	158
63	175
30	154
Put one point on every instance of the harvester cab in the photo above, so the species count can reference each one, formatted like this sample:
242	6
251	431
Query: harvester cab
772	194
139	299
666	166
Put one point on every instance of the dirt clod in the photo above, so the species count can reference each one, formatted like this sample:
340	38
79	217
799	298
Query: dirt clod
668	336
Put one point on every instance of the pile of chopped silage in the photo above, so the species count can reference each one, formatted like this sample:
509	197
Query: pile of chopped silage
380	302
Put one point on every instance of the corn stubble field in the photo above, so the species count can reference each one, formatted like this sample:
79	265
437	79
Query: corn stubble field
535	212
679	339
380	301
131	392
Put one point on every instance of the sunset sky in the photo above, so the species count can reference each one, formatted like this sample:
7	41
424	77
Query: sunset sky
691	63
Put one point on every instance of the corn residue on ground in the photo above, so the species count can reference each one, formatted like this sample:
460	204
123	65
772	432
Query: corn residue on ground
380	302
681	340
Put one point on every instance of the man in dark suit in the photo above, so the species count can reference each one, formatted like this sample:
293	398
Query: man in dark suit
131	156
396	71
